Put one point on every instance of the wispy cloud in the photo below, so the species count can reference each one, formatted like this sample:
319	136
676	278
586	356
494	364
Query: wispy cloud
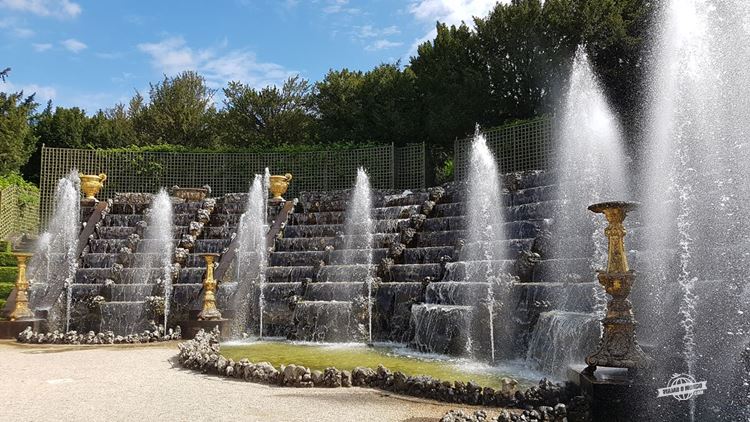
340	6
173	55
15	28
382	45
62	9
42	93
41	47
73	45
368	31
450	12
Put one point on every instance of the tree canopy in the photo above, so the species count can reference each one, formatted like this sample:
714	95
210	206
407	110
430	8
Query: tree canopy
508	65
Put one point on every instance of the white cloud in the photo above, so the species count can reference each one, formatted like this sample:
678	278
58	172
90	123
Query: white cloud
339	6
172	55
43	93
382	45
368	31
41	47
73	45
15	29
56	8
450	12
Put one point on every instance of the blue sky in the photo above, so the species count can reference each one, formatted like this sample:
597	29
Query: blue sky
93	54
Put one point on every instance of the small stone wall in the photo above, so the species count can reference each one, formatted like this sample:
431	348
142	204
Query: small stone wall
108	337
203	354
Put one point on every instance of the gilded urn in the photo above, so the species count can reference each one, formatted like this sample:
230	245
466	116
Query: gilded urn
279	185
91	184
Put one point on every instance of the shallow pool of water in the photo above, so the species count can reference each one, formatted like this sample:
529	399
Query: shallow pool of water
394	357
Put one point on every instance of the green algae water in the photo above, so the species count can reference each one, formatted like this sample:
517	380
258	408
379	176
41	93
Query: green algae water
348	356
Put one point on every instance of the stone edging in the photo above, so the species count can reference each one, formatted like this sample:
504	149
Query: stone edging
203	354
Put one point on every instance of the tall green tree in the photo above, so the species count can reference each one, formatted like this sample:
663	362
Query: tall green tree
61	128
338	100
380	105
111	128
453	84
180	111
269	116
17	140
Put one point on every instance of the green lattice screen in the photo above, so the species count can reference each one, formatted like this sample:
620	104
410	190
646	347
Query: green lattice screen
16	216
525	146
225	172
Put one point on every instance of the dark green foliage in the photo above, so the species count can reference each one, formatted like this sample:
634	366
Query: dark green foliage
270	116
5	289
8	274
17	140
180	112
7	260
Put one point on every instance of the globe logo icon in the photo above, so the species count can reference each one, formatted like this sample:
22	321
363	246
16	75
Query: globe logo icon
682	387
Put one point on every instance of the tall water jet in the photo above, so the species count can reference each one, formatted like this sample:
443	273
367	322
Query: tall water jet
358	228
590	168
53	268
696	195
251	257
160	247
485	235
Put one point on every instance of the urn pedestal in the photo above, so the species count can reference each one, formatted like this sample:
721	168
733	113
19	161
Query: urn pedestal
618	347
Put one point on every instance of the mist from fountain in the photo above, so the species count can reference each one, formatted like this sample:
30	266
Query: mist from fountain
484	224
696	192
251	258
53	268
358	229
590	168
160	249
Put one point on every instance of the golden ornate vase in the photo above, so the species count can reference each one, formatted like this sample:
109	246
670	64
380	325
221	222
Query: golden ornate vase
618	347
91	184
21	309
279	185
209	312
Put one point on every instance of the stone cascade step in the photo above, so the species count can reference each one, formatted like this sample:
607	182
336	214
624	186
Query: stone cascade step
345	273
129	260
120	276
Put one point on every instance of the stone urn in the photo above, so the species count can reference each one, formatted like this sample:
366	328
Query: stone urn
91	184
279	185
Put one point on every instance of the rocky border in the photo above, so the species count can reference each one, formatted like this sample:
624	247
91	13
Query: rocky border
203	354
28	336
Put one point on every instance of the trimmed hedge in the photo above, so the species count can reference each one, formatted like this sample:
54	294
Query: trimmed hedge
4	246
7	260
5	289
8	274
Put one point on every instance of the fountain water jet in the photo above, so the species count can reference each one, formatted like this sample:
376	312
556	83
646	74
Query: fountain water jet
590	169
160	251
485	220
53	268
251	256
358	228
697	194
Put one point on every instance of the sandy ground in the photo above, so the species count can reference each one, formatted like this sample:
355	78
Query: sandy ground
118	383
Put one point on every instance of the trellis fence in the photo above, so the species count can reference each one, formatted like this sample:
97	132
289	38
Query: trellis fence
520	147
388	166
19	211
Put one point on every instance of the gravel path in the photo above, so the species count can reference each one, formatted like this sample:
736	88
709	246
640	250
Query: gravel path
141	383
